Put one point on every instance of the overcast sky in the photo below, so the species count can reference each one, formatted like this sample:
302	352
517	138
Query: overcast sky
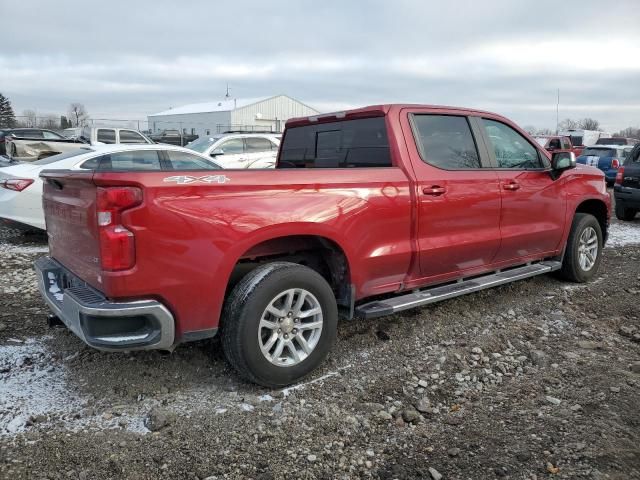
127	59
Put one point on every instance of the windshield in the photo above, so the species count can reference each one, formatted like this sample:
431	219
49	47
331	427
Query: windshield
542	141
62	156
598	152
201	144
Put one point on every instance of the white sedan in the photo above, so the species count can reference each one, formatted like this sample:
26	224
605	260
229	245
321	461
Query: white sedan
21	187
239	150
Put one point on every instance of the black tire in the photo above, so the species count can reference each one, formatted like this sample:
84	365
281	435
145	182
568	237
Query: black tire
625	214
571	269
243	311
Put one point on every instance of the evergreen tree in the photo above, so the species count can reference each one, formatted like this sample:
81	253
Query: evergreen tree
7	118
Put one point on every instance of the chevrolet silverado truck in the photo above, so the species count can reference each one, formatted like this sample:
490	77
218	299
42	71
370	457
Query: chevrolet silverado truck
558	143
368	212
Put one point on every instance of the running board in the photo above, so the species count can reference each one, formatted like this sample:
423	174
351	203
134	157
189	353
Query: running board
425	296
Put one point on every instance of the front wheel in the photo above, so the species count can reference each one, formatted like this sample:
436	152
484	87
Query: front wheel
584	249
279	324
626	214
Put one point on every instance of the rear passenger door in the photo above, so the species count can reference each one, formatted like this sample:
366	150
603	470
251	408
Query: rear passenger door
458	215
533	212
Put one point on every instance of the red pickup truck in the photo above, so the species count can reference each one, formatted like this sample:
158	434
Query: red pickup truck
368	212
558	143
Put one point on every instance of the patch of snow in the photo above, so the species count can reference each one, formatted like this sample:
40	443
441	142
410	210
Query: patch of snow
288	390
31	385
621	234
265	398
23	249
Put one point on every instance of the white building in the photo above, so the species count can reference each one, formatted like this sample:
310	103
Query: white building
266	113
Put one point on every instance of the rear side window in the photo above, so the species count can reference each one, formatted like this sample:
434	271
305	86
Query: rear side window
566	145
446	141
346	144
187	161
136	160
511	149
106	135
256	144
129	136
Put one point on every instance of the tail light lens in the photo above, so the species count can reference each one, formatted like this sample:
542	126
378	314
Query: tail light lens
619	176
615	163
16	184
117	243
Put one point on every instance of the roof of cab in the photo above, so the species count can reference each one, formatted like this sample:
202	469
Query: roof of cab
376	111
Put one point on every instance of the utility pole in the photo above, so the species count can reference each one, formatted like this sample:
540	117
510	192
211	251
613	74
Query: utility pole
558	114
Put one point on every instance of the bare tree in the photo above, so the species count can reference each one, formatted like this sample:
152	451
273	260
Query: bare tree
589	124
568	124
49	121
629	132
29	118
78	114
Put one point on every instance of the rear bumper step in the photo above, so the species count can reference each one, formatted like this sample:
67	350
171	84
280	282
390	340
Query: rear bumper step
100	323
426	296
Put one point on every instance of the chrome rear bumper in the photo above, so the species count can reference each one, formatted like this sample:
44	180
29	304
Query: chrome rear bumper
100	323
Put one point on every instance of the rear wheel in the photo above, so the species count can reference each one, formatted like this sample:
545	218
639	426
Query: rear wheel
584	249
279	323
626	214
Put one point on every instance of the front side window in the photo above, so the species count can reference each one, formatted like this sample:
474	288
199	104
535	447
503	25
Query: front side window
512	150
233	146
51	135
360	143
106	135
446	141
129	136
188	161
256	144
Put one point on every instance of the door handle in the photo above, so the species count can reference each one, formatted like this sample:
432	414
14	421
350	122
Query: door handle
511	186
435	190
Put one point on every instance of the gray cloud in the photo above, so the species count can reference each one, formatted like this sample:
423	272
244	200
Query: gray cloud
129	59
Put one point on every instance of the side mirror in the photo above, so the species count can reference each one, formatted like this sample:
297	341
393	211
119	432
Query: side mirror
562	161
216	152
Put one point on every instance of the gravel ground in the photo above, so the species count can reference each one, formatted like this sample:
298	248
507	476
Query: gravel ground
538	379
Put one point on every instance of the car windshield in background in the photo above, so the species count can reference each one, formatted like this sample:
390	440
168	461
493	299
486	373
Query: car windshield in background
201	144
599	152
576	140
542	141
62	156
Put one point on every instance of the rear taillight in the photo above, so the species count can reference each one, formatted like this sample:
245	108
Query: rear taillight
615	163
619	176
16	184
117	244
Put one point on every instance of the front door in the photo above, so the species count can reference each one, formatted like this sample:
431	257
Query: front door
534	205
458	215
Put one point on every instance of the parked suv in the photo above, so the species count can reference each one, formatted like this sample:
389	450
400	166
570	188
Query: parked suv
239	150
607	158
627	187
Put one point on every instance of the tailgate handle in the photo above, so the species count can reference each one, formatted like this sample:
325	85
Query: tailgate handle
55	183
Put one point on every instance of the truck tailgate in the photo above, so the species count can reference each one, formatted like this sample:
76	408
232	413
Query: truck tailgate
69	199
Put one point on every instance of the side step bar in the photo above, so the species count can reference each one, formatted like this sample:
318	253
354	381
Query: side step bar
425	296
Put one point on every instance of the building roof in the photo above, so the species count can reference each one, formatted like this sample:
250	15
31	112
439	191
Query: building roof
208	107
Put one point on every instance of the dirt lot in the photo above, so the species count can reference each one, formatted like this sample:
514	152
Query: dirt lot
539	379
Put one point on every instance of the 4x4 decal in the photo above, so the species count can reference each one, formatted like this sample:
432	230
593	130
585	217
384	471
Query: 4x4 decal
185	179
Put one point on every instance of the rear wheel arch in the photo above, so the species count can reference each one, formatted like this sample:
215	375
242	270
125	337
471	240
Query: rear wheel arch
318	252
